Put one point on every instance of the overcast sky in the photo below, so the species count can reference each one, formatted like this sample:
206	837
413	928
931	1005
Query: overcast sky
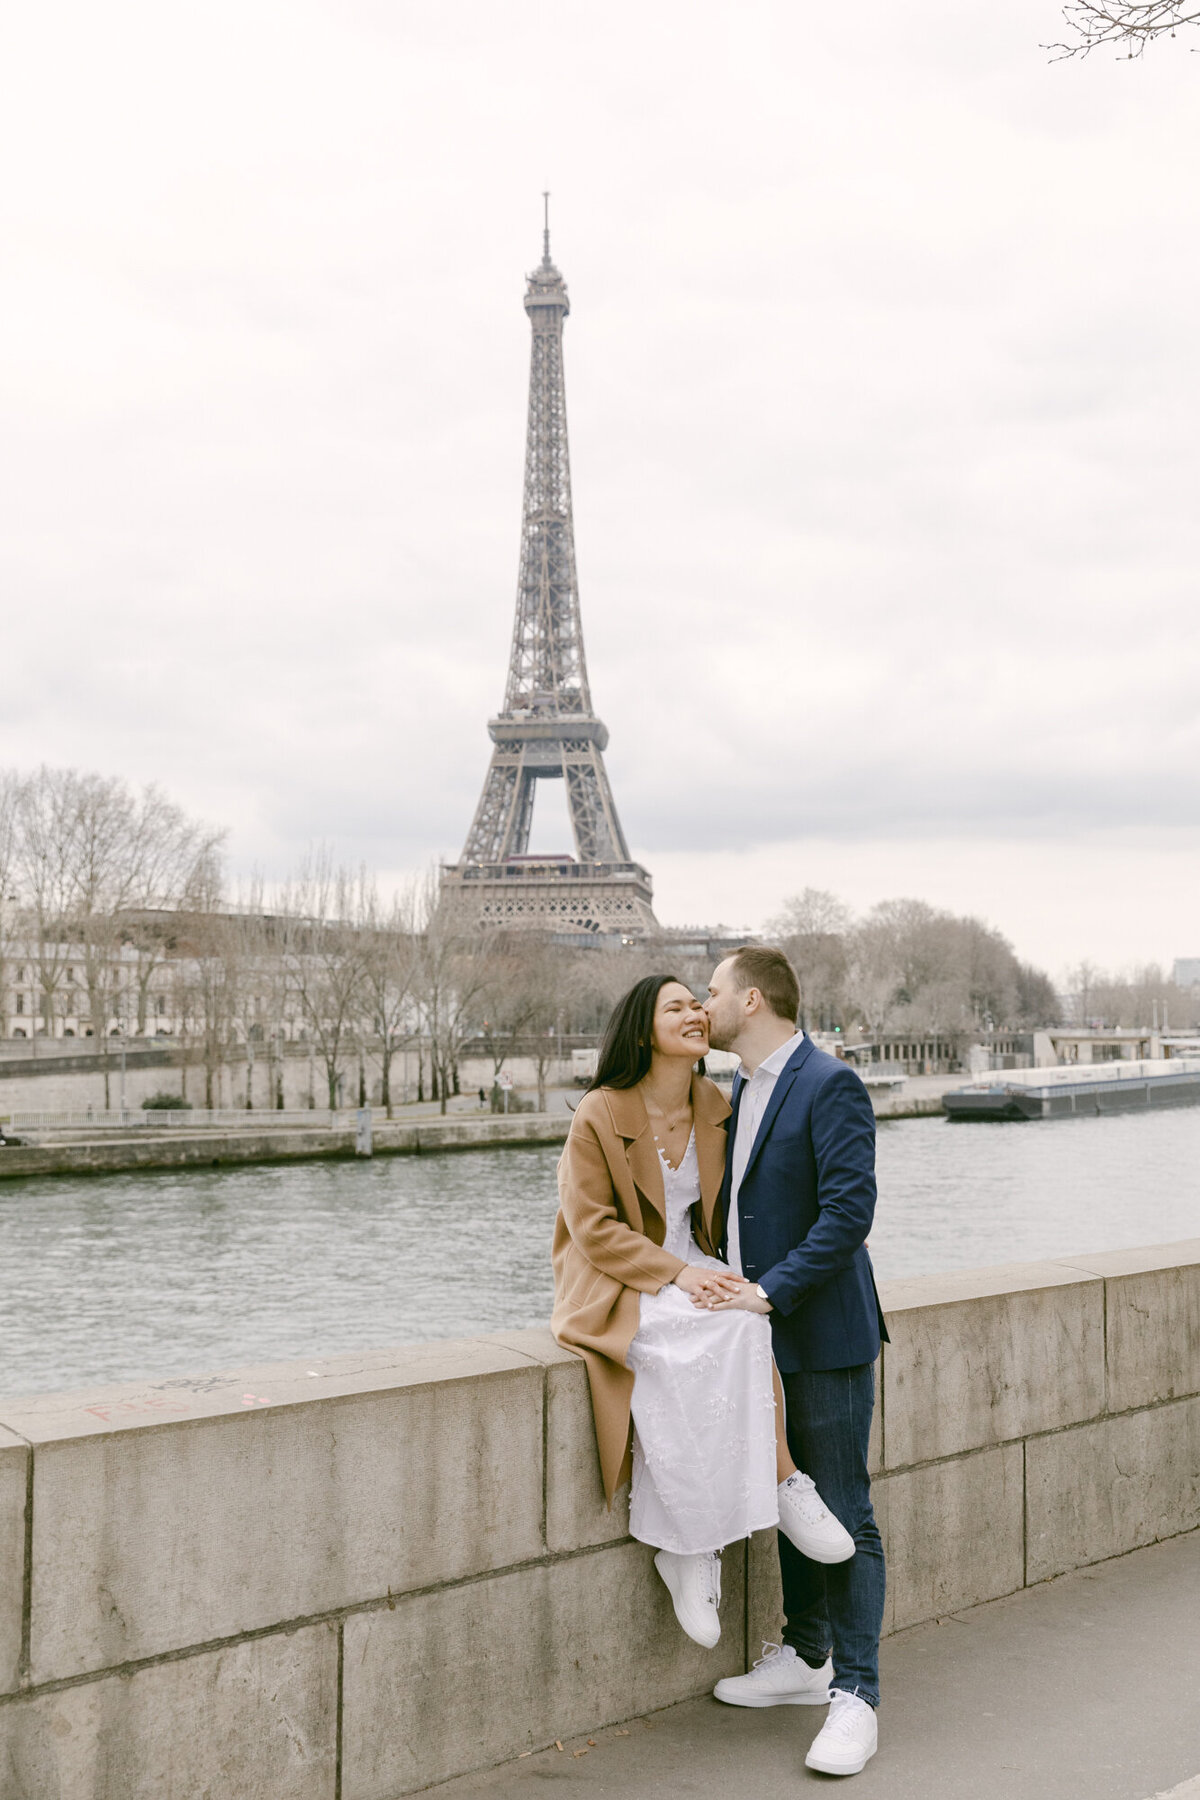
882	379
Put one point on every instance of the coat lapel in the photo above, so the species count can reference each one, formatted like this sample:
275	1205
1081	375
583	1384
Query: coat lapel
779	1094
632	1123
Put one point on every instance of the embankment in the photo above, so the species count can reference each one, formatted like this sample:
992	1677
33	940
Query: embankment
352	1577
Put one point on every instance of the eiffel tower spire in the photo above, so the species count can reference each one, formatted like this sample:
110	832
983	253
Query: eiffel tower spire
547	728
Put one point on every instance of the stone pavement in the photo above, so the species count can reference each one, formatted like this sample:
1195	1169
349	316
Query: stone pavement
1083	1688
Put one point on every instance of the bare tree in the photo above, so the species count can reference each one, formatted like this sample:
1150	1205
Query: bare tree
389	961
43	860
207	984
1128	25
812	929
451	973
320	945
528	991
9	793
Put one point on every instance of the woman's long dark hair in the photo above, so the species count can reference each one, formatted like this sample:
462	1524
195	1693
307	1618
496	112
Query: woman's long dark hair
625	1049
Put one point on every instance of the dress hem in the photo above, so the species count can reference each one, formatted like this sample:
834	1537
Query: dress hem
708	1549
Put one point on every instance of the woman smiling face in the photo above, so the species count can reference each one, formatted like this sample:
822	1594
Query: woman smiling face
680	1023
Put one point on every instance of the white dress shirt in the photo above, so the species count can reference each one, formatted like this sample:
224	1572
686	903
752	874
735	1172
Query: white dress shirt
757	1091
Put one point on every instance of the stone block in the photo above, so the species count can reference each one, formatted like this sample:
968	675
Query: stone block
764	1593
1153	1321
257	1718
953	1534
576	1513
14	1463
985	1356
473	1675
1112	1486
152	1532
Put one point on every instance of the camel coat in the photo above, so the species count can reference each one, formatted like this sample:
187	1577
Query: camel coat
608	1242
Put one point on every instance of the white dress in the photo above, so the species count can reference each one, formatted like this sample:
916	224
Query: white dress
703	1404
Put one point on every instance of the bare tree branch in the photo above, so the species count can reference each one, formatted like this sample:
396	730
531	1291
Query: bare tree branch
1128	24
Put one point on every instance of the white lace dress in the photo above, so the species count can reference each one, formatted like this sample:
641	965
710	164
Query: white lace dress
703	1405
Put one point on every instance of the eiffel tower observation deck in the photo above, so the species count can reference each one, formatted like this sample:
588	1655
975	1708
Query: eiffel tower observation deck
547	729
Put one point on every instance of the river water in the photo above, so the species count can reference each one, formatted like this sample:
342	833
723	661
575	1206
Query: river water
119	1277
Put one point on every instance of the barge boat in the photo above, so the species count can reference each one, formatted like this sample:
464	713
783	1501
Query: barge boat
1086	1090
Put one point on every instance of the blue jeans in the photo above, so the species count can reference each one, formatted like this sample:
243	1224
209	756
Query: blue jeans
836	1608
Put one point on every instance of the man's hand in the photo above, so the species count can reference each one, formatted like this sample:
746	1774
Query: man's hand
746	1299
706	1287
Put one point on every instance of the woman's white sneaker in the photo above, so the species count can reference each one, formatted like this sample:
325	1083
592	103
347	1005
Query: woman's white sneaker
847	1740
778	1678
694	1584
805	1519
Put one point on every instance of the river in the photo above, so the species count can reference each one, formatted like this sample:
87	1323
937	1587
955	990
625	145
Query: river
120	1277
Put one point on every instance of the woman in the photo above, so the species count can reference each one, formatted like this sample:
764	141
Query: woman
635	1284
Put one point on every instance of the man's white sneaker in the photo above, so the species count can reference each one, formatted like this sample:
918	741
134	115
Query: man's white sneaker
808	1522
778	1678
694	1584
848	1738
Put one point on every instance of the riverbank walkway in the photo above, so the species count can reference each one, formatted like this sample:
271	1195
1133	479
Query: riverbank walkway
1083	1688
153	1143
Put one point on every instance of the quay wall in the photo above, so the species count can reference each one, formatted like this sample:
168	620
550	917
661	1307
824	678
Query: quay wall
180	1149
350	1578
151	1146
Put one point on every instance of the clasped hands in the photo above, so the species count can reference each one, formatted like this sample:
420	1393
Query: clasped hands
720	1290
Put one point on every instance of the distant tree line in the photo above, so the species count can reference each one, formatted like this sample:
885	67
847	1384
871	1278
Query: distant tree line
115	910
908	967
1136	997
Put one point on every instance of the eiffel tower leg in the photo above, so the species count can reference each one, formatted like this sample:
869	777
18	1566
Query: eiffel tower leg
520	823
598	834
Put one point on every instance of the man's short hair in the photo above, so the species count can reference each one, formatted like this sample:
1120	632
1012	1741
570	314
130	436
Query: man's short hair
758	966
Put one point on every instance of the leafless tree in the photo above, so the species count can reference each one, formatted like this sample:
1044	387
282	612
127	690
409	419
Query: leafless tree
90	860
389	961
530	990
1133	998
320	945
451	974
43	864
1128	25
208	978
9	791
812	930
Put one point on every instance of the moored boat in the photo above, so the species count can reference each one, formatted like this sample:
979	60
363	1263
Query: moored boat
1086	1090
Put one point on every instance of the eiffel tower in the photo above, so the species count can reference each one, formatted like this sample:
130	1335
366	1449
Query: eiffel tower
548	729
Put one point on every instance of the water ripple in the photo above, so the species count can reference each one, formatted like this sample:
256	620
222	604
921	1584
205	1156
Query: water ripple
122	1277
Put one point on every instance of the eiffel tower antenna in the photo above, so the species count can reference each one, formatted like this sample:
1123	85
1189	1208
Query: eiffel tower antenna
547	729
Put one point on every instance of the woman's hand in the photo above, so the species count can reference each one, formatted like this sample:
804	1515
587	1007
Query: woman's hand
707	1287
746	1299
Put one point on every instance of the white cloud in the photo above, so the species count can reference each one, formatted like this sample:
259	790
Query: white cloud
882	376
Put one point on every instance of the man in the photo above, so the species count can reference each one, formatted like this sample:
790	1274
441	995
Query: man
798	1200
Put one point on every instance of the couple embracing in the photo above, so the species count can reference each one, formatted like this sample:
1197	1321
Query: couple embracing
710	1267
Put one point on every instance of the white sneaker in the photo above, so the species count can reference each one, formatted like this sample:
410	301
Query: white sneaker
694	1584
808	1522
848	1738
778	1678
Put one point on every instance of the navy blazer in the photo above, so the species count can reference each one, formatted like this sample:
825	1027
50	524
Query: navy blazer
805	1207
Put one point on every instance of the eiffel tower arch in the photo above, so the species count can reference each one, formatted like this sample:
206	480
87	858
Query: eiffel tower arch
547	729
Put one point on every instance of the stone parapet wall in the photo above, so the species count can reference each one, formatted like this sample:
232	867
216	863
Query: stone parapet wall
348	1578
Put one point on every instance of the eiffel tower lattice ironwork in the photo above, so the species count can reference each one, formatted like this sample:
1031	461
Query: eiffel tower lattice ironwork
548	729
